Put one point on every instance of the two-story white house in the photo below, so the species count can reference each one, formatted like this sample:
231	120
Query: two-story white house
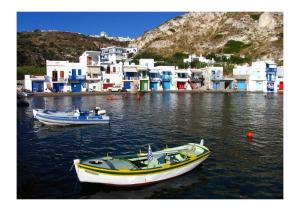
112	75
58	74
113	54
90	60
76	77
181	79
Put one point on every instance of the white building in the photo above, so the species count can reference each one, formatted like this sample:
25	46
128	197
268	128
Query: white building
200	58
118	38
91	62
181	79
58	74
112	75
77	77
261	76
65	76
113	55
36	83
147	63
131	77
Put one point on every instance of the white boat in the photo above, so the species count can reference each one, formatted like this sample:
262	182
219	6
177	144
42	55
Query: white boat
76	117
142	168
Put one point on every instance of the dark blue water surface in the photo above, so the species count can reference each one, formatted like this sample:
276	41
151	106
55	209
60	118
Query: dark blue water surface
237	167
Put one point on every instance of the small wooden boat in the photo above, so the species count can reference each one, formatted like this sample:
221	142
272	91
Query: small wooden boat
142	168
76	117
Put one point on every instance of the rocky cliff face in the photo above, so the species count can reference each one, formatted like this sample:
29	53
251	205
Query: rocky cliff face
209	32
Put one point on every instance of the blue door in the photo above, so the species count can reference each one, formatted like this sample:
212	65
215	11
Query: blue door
126	84
76	87
166	85
154	85
37	86
216	85
241	86
74	74
58	87
259	86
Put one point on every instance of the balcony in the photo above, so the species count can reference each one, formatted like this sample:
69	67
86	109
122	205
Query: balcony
93	78
182	79
143	77
155	79
131	78
197	79
216	77
166	78
77	77
60	80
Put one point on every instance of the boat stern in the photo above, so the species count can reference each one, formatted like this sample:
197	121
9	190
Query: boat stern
34	111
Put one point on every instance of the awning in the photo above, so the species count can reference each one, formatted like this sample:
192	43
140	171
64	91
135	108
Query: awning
153	71
241	77
133	70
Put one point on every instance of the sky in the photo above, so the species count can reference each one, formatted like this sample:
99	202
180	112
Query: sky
132	24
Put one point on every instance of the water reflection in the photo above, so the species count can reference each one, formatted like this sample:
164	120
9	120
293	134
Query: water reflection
237	167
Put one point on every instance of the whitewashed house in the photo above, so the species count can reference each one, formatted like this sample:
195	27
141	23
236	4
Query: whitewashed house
261	76
214	78
194	57
77	77
90	60
280	75
181	79
58	75
131	77
112	75
36	83
167	77
241	75
113	54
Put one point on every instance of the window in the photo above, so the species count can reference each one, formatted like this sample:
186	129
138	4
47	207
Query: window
89	60
54	76
79	71
114	69
108	70
62	74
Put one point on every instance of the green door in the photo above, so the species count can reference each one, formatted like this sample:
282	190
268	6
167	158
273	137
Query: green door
144	85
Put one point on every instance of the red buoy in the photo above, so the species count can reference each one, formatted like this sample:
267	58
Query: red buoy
249	134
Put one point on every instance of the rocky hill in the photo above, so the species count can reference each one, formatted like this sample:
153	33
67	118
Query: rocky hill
33	48
259	35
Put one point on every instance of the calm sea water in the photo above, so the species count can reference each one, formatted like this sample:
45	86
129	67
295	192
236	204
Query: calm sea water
237	167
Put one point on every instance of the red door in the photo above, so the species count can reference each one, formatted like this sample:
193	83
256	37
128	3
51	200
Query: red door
180	85
281	86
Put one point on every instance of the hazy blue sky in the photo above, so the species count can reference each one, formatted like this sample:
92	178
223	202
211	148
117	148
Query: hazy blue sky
132	24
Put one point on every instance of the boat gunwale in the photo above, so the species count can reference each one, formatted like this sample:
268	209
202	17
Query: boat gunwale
127	172
72	118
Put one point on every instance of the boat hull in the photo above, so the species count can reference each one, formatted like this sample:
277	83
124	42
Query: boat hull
85	175
69	120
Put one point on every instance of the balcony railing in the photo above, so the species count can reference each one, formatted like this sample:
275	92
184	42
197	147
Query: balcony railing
93	78
197	79
216	77
77	77
166	78
60	80
130	78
